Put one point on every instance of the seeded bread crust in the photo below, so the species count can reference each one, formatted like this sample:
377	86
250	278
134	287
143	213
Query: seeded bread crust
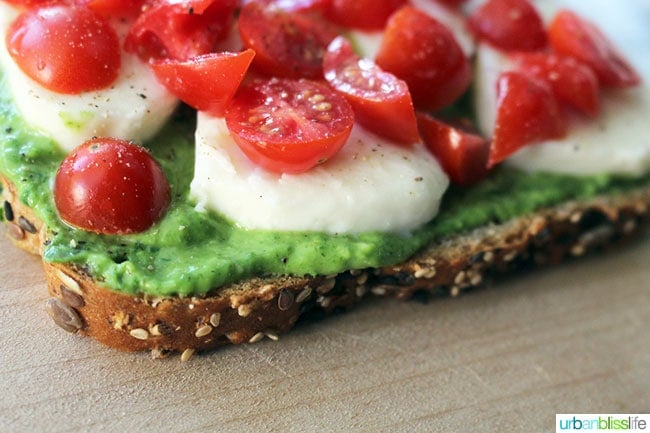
259	308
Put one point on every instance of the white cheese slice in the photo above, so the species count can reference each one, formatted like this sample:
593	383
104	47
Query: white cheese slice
134	107
371	184
618	141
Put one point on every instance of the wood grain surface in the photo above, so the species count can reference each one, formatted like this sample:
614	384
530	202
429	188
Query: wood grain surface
505	358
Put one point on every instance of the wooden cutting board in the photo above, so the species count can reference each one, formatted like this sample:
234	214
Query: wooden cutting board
506	358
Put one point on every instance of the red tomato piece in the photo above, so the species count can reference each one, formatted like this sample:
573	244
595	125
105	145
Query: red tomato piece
463	155
362	14
180	30
289	126
45	41
27	3
527	112
509	25
293	5
111	186
574	36
424	53
114	8
207	82
381	101
573	82
286	44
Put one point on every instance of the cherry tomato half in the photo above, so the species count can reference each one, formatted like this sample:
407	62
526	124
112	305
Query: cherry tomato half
573	82
509	25
462	155
527	111
180	30
424	53
45	41
289	126
381	101
110	186
571	35
286	44
207	82
362	14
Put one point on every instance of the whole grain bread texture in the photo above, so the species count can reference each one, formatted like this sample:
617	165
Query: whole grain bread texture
258	308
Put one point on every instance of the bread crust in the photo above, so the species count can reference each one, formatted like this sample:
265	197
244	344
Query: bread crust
251	310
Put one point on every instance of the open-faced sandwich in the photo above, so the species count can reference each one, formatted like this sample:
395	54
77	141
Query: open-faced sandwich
199	173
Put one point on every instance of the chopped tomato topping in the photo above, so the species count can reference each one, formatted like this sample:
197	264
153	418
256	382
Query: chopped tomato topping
574	36
424	53
289	126
45	41
115	8
527	112
509	25
381	102
573	82
362	14
462	155
286	44
111	186
207	82
180	30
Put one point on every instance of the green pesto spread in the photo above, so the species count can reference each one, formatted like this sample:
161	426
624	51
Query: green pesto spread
189	252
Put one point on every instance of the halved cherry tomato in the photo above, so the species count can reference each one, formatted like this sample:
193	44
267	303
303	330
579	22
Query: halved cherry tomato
180	30
207	82
425	54
574	36
286	44
381	101
573	82
527	112
289	126
45	41
110	186
509	25
363	14
463	155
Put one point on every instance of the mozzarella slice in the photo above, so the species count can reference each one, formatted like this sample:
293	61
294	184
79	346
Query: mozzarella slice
371	184
135	107
618	141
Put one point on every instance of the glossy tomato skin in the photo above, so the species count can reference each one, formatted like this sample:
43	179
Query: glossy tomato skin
574	36
573	82
180	30
362	14
511	25
44	41
293	5
289	126
207	82
110	186
463	155
527	112
126	9
381	102
425	54
286	44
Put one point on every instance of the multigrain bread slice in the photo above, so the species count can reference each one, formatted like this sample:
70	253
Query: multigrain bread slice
251	310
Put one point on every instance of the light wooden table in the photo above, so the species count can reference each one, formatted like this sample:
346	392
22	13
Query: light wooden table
507	358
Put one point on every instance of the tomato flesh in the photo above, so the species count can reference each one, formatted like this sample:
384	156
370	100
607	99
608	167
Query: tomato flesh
125	9
110	186
513	25
45	41
289	126
362	14
180	30
381	102
463	155
207	82
573	82
574	36
286	44
527	112
424	53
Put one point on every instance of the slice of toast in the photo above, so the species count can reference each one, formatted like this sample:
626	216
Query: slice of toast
251	310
